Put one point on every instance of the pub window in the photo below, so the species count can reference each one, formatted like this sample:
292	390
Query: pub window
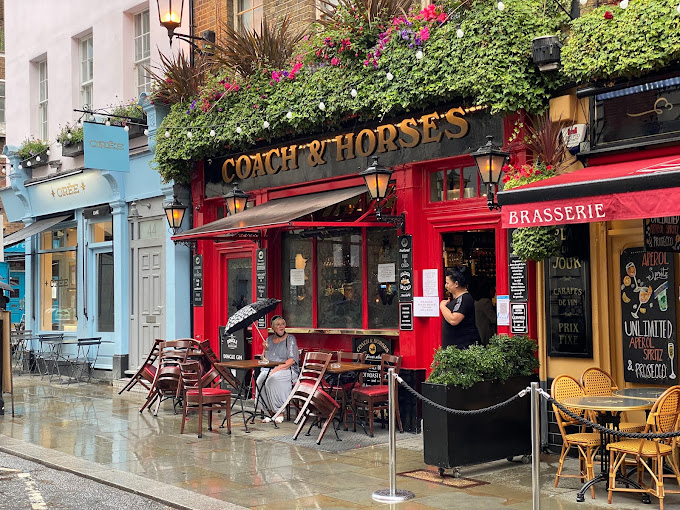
383	302
296	269
454	183
249	15
58	279
42	100
101	232
142	55
86	71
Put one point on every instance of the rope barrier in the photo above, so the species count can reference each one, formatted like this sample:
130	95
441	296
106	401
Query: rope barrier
461	411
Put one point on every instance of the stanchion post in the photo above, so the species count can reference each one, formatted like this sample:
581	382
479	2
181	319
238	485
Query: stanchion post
535	447
392	495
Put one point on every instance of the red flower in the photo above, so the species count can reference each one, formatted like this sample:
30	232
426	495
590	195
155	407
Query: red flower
608	15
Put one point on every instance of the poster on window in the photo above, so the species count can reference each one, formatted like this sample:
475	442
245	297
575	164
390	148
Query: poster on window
648	317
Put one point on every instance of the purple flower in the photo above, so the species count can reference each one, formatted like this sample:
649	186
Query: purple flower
286	74
188	112
193	105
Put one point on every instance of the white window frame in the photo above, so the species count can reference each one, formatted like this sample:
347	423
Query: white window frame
142	51
43	100
2	102
86	78
255	5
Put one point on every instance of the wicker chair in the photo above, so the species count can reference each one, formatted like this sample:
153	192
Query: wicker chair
147	372
587	443
596	381
650	454
202	393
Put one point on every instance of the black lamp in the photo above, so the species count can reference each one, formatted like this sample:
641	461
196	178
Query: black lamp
174	212
377	178
236	200
490	160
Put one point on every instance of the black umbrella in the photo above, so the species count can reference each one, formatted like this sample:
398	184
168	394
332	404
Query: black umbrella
250	313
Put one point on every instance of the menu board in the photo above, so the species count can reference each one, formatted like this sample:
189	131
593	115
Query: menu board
662	234
567	300
261	281
374	347
648	317
518	279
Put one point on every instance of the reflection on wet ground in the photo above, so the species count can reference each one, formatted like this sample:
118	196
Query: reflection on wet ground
92	422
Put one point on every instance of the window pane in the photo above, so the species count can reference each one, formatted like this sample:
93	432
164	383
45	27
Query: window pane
470	180
297	299
246	21
453	184
257	19
59	238
244	5
437	186
383	302
339	291
105	281
240	283
101	232
58	291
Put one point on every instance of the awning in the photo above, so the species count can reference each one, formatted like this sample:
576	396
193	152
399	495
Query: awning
644	188
275	213
32	229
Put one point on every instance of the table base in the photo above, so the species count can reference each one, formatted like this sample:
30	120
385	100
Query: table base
580	497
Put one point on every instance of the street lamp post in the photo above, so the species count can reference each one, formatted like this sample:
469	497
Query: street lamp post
490	160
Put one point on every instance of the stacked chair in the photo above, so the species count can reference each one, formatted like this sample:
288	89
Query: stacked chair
147	372
167	381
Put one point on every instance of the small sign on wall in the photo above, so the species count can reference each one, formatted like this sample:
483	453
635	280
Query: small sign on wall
426	306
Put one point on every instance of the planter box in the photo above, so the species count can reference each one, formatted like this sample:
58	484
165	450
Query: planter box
72	150
454	440
34	163
136	130
546	52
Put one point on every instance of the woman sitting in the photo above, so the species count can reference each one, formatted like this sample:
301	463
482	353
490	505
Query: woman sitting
283	347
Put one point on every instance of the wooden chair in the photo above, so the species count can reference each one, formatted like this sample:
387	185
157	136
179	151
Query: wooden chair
147	371
596	381
167	382
343	390
587	443
202	393
651	453
374	398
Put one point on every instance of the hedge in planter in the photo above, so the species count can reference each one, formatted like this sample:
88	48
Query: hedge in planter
476	378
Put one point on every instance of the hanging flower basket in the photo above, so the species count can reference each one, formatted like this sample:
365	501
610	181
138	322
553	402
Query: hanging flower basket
546	52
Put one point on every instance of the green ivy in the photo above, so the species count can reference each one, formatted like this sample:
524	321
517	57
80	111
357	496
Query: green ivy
504	357
490	66
76	135
640	39
535	243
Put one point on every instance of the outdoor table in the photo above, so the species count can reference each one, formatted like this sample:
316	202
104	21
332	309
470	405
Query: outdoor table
342	368
248	364
643	393
608	409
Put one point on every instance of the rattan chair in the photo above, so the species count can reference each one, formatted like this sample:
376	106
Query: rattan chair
202	393
651	453
147	371
596	381
587	443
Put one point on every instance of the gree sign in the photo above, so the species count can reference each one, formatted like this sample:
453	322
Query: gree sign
106	147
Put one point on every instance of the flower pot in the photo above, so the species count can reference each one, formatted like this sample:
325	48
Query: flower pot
33	161
546	52
71	150
458	440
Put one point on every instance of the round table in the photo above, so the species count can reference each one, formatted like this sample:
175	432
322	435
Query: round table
645	393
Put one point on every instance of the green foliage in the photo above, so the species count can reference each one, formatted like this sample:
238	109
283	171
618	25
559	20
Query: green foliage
490	66
125	113
32	147
504	357
535	243
643	38
76	135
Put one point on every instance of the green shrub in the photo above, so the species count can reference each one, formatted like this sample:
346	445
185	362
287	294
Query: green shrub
504	357
76	135
127	112
32	147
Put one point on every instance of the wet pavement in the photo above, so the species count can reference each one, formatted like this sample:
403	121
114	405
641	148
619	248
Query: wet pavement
91	431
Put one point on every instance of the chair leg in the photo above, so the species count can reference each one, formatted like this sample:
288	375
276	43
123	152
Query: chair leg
371	414
200	420
325	426
210	419
228	411
560	466
355	405
612	476
303	420
184	416
590	472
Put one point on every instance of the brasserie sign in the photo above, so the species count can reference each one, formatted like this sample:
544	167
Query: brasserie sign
442	133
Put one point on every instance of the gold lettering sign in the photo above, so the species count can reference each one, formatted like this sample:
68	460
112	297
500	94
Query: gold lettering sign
407	134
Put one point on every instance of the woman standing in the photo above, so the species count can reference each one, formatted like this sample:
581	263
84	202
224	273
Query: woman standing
283	347
459	328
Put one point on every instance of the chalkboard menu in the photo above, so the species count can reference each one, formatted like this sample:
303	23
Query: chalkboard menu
648	317
662	234
567	300
374	347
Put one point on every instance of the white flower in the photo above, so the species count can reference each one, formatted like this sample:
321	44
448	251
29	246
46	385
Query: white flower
419	55
37	158
322	106
389	76
353	92
501	6
47	152
265	124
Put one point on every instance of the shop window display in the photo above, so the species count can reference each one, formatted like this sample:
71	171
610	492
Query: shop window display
296	269
58	280
454	184
383	301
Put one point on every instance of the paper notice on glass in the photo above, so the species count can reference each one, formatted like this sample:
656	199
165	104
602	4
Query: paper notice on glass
426	306
503	310
430	283
387	273
297	277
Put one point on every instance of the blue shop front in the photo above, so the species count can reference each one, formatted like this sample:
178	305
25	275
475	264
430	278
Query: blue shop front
98	259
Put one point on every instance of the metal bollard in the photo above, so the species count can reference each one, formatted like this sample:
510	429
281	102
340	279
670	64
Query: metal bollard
535	447
392	495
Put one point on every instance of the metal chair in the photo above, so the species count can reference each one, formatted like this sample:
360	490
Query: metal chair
651	453
596	381
587	443
18	341
86	357
202	393
374	398
49	354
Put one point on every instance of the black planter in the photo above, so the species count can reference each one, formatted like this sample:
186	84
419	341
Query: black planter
455	440
546	52
136	130
33	161
71	150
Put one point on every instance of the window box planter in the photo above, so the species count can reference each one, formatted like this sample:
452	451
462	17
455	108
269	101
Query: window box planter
72	150
450	441
546	52
34	163
136	130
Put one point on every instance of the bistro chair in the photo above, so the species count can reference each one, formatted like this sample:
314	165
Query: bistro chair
596	381
19	348
203	393
167	382
651	453
587	443
147	371
345	383
374	398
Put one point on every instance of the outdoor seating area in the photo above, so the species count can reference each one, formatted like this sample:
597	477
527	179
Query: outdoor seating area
645	464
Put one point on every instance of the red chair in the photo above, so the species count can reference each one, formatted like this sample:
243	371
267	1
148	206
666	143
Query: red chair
202	393
167	382
374	398
147	372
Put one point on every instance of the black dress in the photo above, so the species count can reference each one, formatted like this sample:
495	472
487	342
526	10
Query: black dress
465	333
